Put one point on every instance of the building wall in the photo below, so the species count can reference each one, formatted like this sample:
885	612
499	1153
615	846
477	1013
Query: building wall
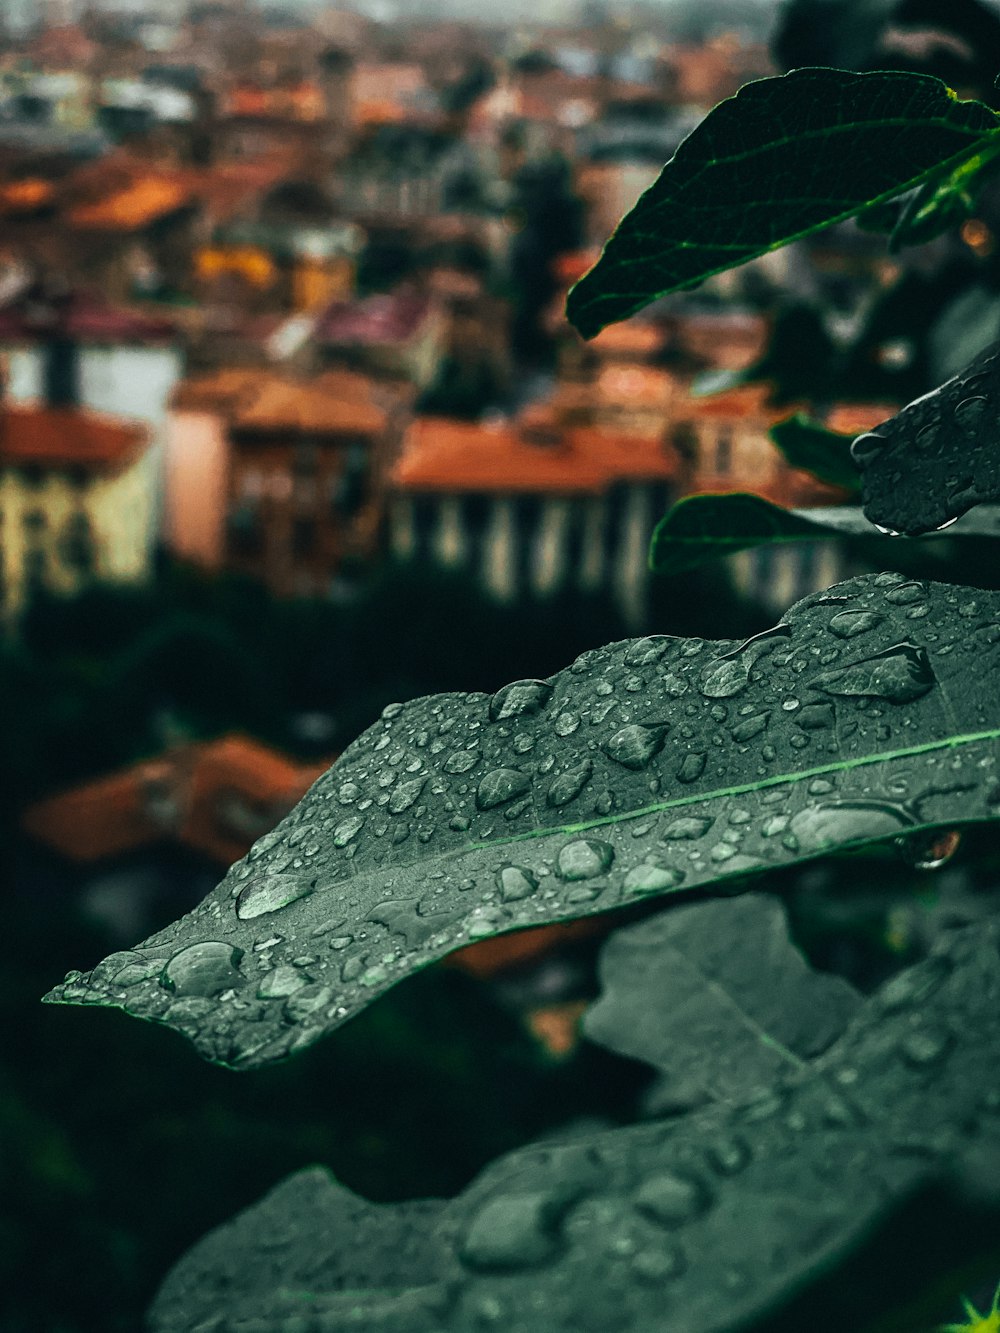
196	488
37	517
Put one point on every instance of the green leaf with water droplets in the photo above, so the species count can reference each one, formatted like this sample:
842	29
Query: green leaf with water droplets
707	1221
717	997
700	528
783	158
825	454
937	458
646	767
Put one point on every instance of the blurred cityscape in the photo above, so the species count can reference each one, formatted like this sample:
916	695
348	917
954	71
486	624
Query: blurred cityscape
292	425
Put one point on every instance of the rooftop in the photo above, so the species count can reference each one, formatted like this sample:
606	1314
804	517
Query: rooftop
67	437
337	402
532	455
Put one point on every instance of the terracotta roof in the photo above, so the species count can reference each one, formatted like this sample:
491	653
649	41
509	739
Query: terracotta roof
67	437
570	267
856	418
217	797
25	195
634	338
440	454
135	205
336	402
745	401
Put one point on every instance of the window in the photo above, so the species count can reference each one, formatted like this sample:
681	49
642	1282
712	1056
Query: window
723	453
76	544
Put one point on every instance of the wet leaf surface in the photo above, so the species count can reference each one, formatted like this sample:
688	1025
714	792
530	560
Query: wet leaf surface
785	157
716	996
812	448
646	767
703	1221
708	527
939	456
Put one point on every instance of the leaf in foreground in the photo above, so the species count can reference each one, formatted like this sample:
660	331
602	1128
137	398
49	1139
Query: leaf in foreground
717	997
705	1221
785	157
812	448
646	767
939	456
707	527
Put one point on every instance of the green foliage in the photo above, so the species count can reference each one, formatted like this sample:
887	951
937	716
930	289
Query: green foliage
813	448
783	158
803	1124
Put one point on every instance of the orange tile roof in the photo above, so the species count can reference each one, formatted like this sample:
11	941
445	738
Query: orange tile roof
631	339
26	194
135	205
67	437
216	796
336	402
440	454
742	402
856	418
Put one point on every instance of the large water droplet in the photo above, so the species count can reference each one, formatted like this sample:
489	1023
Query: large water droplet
926	1046
635	745
725	678
815	717
905	594
672	1199
849	624
823	826
461	761
567	786
519	698
566	723
500	786
511	1232
405	795
584	858
207	968
692	767
970	412
652	879
282	982
645	651
750	727
516	883
347	830
929	850
899	675
688	827
269	892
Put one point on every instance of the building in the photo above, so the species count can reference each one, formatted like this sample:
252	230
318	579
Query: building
278	477
75	503
531	507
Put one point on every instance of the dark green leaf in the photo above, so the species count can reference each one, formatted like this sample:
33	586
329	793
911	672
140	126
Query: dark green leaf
946	201
938	457
707	527
716	996
783	158
643	768
813	448
706	1221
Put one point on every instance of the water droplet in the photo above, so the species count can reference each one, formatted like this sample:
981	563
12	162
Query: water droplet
583	859
849	624
688	827
928	1046
656	1266
692	767
511	1232
899	675
566	723
815	717
725	678
306	1001
969	413
750	727
728	1156
929	850
500	786
867	447
567	786
645	651
905	594
461	761
406	795
635	745
204	969
822	826
281	983
269	892
348	829
914	986
392	710
516	883
519	699
672	1199
652	879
